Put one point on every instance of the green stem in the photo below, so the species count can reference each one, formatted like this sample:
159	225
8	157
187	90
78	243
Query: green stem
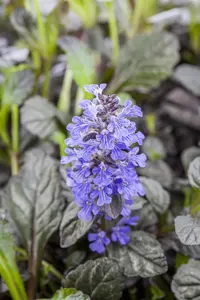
195	206
9	280
36	60
15	128
64	100
52	270
15	139
113	32
143	10
90	12
4	114
19	283
138	14
47	70
41	26
187	193
77	7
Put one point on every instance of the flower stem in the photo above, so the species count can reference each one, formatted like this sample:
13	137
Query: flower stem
64	100
113	31
15	139
47	71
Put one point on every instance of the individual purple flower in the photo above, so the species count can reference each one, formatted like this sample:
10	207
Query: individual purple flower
139	188
81	190
138	138
131	221
103	174
126	170
81	171
135	112
95	89
80	125
131	111
130	138
88	209
126	208
71	156
118	126
119	152
120	234
106	140
87	151
90	109
102	195
99	241
137	159
126	187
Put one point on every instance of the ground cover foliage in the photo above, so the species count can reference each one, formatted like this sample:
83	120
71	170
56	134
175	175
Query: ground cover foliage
148	57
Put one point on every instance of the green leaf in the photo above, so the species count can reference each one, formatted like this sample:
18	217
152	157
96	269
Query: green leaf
100	279
188	76
75	258
159	171
188	155
70	294
66	191
157	293
39	117
13	55
17	86
7	245
155	194
34	201
72	228
181	259
186	282
153	148
123	13
143	256
188	230
159	287
148	216
194	173
24	23
81	60
145	61
97	42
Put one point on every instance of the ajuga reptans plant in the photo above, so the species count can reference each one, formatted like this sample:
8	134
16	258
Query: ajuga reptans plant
103	155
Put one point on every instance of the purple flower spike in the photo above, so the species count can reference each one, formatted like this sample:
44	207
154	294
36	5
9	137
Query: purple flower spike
103	154
99	241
